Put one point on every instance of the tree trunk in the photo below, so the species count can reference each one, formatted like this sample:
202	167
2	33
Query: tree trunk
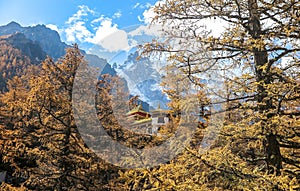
273	155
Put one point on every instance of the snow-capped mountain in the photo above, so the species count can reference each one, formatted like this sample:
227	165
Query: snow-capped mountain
143	77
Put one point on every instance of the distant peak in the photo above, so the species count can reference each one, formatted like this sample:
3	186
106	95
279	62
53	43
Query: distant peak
13	23
40	26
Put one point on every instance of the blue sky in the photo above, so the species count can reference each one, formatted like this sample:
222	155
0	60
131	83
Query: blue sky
86	22
98	26
30	12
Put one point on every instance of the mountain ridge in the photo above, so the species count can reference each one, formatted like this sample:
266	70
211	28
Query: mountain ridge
16	54
27	46
141	75
39	34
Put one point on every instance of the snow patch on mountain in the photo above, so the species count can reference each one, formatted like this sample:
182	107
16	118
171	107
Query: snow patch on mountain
143	77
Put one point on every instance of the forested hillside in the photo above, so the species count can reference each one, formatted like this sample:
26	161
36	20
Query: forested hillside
16	54
232	120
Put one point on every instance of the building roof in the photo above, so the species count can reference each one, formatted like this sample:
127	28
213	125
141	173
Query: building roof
137	109
159	110
146	120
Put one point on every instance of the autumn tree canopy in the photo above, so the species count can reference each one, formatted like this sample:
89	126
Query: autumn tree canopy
251	66
256	58
41	147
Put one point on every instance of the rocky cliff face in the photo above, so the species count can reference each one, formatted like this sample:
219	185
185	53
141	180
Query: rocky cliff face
10	28
35	42
17	53
49	40
26	46
143	79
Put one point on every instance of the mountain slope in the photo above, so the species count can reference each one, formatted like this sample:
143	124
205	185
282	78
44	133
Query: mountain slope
143	79
49	40
28	47
16	54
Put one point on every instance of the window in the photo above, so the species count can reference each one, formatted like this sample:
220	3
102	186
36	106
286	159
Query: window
161	120
155	115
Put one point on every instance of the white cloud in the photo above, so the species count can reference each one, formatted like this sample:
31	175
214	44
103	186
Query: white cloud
148	14
148	5
216	26
117	15
86	26
140	18
83	11
106	28
53	27
136	5
115	41
102	30
77	31
153	30
142	6
98	20
285	61
109	36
